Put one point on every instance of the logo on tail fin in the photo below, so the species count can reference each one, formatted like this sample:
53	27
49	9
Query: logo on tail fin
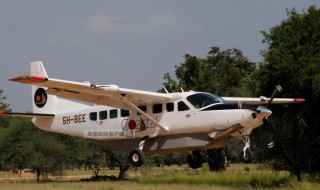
40	97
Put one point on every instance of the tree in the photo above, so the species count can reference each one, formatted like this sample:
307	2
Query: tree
222	73
77	150
22	145
4	107
47	155
13	147
293	60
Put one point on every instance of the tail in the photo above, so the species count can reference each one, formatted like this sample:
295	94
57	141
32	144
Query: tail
46	103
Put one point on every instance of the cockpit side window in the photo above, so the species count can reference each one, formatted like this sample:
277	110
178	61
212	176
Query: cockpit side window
182	106
201	100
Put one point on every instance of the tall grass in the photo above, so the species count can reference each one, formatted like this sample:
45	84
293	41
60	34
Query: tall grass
223	179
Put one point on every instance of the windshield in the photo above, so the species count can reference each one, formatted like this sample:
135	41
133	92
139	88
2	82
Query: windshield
201	100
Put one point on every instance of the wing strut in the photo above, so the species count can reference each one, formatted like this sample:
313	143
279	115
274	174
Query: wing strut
146	116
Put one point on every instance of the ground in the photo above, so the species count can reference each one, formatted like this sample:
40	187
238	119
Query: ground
237	176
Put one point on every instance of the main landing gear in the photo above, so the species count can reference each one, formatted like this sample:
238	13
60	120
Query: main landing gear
217	159
137	156
195	160
247	154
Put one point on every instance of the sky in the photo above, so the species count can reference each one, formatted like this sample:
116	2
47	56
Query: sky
127	43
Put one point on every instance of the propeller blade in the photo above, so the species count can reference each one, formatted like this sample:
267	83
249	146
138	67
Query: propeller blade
276	90
266	124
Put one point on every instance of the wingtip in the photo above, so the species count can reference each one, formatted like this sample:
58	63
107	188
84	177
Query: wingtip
299	100
29	79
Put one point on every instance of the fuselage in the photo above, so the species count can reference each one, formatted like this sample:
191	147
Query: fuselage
190	112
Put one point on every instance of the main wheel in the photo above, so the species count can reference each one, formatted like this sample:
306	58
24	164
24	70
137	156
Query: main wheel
217	159
137	157
247	156
195	160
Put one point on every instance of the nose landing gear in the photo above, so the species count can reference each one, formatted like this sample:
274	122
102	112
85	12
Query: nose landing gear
247	154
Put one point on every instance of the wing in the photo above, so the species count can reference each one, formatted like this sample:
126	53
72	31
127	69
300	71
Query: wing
109	95
263	100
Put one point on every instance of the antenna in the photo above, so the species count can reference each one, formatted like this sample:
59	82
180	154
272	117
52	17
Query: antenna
181	89
165	90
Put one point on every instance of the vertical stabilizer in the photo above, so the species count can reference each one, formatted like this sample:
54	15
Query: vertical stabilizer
46	103
41	102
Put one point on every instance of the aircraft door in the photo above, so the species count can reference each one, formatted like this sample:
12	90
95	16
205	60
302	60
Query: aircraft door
187	117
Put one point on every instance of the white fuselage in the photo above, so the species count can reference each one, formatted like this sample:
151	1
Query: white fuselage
179	116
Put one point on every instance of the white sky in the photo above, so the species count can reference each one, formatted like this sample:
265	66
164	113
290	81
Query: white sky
128	43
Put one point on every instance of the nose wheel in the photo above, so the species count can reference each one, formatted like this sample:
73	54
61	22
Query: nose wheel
247	154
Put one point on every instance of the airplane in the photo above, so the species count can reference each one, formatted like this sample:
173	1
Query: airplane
142	122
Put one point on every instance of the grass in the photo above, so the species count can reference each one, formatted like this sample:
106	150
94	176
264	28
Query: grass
237	176
233	180
106	186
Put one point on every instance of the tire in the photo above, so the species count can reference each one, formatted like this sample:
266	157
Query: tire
216	159
247	157
137	157
195	160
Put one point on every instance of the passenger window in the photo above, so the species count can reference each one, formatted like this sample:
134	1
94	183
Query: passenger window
182	106
143	108
157	108
125	113
113	113
103	115
170	107
93	116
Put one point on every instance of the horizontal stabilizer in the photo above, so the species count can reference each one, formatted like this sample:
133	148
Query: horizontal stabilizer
37	115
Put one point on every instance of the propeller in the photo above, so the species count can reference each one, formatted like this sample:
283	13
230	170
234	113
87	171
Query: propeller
275	92
266	124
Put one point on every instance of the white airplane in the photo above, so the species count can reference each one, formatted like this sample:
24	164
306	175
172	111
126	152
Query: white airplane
142	122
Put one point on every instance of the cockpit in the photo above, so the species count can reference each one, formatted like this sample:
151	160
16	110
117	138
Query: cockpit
200	100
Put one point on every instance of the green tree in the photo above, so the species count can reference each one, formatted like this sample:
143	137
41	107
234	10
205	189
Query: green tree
96	159
4	107
22	146
13	146
221	72
77	150
47	155
293	60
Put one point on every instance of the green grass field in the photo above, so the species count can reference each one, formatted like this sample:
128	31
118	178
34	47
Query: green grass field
237	176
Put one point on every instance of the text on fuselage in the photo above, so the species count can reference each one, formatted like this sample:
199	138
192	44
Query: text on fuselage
79	118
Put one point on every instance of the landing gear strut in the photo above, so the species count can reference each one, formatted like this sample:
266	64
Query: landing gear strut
247	154
137	156
195	160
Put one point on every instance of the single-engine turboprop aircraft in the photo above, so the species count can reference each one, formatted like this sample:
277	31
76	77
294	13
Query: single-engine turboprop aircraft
142	122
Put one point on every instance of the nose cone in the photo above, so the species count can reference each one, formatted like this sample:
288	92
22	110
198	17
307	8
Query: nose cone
263	112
